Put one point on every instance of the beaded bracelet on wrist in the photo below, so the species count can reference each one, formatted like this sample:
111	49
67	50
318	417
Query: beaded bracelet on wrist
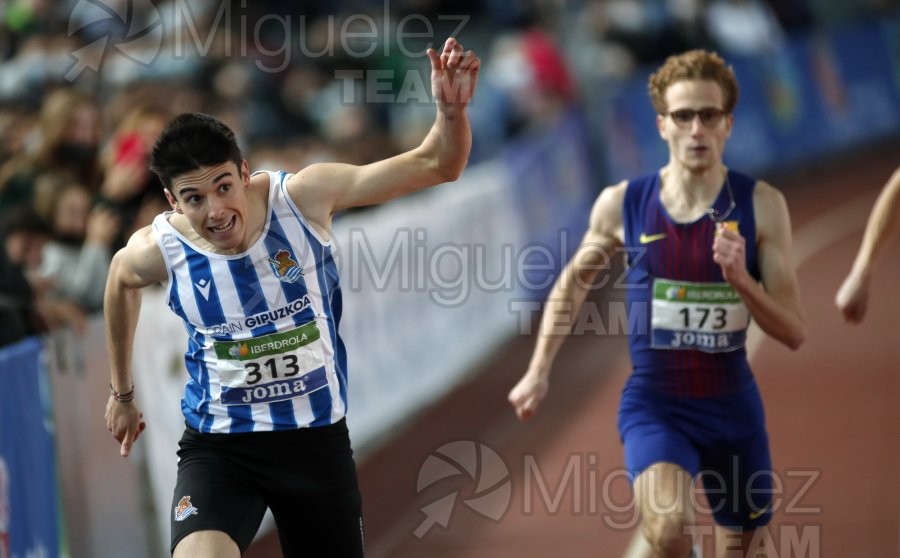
124	397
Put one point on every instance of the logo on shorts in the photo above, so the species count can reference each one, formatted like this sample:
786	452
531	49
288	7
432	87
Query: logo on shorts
756	514
184	509
285	266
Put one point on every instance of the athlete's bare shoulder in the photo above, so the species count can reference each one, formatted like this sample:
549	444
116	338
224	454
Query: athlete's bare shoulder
606	215
767	199
260	181
140	262
613	196
766	193
313	188
771	212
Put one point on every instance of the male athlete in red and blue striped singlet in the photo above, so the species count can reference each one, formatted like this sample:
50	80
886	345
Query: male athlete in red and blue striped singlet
708	248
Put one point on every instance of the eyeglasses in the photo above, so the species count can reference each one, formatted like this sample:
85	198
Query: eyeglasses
722	216
709	117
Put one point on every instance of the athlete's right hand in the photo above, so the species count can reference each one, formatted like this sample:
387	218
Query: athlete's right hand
123	419
528	394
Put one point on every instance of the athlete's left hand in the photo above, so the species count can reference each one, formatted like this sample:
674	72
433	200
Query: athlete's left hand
852	298
729	251
454	75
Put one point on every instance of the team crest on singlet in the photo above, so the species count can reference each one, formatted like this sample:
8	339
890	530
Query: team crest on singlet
285	266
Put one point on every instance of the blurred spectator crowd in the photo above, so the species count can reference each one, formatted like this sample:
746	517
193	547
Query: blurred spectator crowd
86	86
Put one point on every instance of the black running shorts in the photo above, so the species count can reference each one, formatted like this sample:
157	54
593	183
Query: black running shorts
306	476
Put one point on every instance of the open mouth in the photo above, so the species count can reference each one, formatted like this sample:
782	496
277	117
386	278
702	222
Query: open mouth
226	227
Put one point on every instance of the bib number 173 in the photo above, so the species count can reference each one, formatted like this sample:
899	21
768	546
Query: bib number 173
699	316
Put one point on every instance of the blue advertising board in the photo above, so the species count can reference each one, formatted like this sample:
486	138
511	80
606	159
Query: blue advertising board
555	189
28	507
817	95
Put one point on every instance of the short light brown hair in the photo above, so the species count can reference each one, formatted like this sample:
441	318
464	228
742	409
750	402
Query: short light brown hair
693	65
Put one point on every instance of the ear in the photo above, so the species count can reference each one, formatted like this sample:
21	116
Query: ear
172	201
729	124
661	126
245	172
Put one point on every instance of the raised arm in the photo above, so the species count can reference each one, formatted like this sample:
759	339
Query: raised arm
135	266
774	304
325	188
853	296
563	306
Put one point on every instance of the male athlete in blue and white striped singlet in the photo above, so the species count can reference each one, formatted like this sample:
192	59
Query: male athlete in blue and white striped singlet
707	248
264	351
247	261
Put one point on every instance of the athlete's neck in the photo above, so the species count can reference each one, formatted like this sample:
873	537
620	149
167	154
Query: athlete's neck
688	193
258	193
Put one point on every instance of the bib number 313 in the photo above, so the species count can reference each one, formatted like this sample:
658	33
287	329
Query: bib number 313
275	367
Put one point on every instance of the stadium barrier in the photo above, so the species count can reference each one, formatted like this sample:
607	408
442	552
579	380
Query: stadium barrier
28	494
826	92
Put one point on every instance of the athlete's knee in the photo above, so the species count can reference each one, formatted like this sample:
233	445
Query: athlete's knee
208	543
669	534
662	493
